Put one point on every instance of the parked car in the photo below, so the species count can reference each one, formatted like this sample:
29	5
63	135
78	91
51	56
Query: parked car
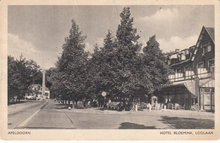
30	97
39	98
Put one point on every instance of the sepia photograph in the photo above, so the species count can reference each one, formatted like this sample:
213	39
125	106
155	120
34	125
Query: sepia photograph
111	67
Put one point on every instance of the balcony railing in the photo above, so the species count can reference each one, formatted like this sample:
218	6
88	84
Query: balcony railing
189	75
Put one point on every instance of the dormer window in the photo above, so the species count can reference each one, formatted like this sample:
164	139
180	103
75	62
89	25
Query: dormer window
183	57
173	61
168	61
179	57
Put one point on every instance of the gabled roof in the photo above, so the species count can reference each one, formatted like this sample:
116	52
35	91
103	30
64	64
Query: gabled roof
211	32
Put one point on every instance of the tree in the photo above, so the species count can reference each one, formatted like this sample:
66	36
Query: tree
13	80
107	71
53	82
136	74
126	33
71	64
21	74
126	58
34	74
117	68
100	68
115	65
155	59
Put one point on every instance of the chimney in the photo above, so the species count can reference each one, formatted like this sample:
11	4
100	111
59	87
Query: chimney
177	50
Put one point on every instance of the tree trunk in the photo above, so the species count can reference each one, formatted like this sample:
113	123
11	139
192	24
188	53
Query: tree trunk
76	102
73	103
84	103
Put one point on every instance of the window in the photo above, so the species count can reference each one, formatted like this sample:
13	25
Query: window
179	71
173	61
179	57
168	61
200	67
187	68
211	64
207	48
187	71
183	57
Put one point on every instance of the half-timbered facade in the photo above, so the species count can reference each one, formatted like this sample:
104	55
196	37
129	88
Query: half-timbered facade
192	83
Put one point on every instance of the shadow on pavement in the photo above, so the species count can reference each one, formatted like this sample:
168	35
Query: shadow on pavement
61	106
188	123
128	125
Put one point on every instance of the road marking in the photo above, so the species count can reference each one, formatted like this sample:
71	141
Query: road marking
69	118
24	123
27	120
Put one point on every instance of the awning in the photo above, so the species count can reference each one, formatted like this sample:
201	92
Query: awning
190	85
183	87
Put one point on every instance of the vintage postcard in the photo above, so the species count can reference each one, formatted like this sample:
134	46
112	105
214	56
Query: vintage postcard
109	70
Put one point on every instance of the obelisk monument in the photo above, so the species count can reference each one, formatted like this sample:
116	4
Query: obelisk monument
43	83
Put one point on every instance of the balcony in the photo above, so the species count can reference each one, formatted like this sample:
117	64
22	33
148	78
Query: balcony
190	75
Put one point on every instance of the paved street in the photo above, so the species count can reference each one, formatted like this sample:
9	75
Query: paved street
18	113
52	115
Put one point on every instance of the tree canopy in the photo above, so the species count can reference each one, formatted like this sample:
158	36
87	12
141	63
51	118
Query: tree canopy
119	67
71	67
21	74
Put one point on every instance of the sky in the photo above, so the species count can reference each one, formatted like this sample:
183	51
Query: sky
38	32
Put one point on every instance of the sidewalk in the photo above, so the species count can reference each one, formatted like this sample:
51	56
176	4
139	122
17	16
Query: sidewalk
14	108
169	113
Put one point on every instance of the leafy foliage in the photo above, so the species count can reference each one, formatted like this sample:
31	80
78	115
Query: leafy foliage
21	74
118	68
154	59
69	77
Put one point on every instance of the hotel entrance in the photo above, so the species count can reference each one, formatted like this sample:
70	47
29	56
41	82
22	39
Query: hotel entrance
207	98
